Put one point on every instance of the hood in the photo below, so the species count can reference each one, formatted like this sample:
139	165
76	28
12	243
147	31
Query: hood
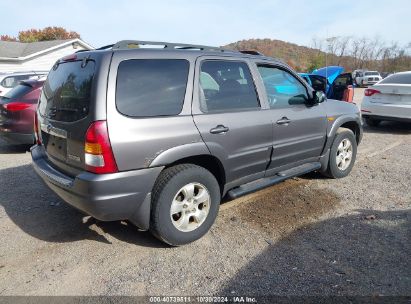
330	72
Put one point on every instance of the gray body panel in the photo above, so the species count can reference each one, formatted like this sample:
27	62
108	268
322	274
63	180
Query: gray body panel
254	147
136	142
245	149
107	197
341	113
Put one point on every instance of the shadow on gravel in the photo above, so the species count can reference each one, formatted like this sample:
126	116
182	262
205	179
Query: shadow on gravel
389	127
13	149
39	212
364	254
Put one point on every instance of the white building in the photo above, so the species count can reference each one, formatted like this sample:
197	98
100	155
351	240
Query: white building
36	56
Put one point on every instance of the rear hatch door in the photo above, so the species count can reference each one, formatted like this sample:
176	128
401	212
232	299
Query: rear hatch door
65	112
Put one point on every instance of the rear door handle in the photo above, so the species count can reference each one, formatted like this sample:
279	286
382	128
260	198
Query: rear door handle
283	121
220	129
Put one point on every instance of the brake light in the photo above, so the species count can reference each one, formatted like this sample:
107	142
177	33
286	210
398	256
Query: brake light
36	130
370	92
99	156
16	106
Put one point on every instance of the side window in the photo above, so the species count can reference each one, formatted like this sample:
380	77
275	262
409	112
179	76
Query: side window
9	82
225	86
306	79
282	88
12	81
151	87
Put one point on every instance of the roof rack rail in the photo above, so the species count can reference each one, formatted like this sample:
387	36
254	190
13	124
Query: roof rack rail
105	47
251	52
125	44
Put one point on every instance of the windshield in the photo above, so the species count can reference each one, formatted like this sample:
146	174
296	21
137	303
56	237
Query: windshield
372	74
66	93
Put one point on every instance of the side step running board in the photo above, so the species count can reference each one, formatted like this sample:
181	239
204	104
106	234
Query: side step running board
272	180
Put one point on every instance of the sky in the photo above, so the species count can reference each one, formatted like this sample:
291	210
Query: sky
212	22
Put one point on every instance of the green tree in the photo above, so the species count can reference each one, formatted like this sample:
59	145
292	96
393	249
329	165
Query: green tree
315	62
7	38
46	34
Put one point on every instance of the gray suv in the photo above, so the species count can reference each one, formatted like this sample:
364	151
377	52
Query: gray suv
158	136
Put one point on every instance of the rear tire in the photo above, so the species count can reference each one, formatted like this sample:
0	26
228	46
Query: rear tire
342	154
372	122
186	199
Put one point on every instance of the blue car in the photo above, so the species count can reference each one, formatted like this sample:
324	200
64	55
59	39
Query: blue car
332	81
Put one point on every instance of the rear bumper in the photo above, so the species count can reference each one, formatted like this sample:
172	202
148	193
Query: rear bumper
388	118
388	111
17	138
107	197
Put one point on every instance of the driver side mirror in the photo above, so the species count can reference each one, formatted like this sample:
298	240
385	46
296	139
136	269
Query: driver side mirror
318	97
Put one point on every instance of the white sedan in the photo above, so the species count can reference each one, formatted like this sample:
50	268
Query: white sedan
389	99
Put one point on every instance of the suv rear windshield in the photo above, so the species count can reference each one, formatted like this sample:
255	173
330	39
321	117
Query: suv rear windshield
151	87
398	78
66	93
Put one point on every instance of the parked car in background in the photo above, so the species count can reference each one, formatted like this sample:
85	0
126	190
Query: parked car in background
385	74
332	81
366	78
159	136
10	80
17	110
389	99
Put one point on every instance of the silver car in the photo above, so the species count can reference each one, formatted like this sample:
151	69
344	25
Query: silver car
10	80
159	136
389	99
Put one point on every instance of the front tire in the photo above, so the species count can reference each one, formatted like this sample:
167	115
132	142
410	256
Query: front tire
342	154
186	199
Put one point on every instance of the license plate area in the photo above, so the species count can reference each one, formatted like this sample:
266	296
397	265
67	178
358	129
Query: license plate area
55	142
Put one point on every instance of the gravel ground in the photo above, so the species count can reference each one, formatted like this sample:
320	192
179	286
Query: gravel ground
305	236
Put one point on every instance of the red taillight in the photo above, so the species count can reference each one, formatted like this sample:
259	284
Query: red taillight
16	106
99	156
36	130
370	92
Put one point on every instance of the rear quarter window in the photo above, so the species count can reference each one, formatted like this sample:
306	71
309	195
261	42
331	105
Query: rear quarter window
151	87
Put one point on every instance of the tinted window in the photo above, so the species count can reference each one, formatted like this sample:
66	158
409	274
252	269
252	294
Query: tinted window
398	78
343	80
306	79
66	93
282	88
151	87
372	74
226	85
318	83
18	91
